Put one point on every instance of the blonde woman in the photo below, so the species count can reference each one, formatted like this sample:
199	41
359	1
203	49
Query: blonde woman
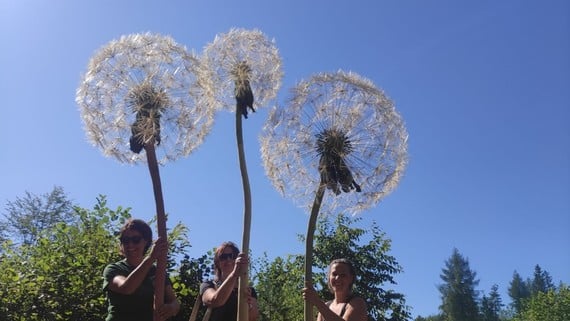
345	306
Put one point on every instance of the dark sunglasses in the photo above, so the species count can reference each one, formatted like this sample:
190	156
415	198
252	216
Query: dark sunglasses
134	239
226	256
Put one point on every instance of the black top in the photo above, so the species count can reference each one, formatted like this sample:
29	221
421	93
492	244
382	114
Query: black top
137	306
343	310
228	311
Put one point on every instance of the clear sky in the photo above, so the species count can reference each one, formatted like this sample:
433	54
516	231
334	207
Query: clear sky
483	86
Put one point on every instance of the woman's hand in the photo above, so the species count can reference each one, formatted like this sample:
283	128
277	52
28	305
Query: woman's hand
166	311
241	264
160	246
309	294
253	311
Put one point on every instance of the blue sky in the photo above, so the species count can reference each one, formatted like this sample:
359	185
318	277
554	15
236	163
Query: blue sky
482	86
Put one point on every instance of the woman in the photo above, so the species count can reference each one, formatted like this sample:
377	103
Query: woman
222	293
129	283
345	305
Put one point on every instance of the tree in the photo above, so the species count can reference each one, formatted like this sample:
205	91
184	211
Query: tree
280	282
437	317
553	305
28	216
4	226
518	291
458	294
186	283
541	281
375	268
491	305
59	276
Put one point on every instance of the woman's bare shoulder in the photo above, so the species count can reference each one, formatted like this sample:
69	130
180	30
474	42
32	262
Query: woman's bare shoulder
358	303
357	310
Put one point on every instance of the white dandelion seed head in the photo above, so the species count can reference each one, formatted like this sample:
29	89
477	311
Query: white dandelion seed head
154	63
341	101
238	51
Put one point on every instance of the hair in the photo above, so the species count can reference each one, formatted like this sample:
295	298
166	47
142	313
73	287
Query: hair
350	269
139	226
218	252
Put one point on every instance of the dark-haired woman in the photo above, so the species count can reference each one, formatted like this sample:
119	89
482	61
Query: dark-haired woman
345	305
222	293
129	283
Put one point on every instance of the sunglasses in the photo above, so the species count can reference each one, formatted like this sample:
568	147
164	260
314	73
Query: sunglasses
133	239
226	256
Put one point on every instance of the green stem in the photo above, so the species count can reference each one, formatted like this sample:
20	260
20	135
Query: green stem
243	283
161	225
309	245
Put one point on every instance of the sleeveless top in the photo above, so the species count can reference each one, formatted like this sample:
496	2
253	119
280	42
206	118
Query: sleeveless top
343	310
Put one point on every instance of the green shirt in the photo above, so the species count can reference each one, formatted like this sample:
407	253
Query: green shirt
137	306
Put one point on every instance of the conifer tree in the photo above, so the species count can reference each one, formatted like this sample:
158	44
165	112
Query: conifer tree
541	281
458	294
491	305
518	291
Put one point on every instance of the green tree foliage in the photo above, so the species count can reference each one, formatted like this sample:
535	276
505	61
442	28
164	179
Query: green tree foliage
28	216
438	317
518	291
531	293
553	305
541	281
4	226
375	268
280	282
59	277
491	305
458	294
186	283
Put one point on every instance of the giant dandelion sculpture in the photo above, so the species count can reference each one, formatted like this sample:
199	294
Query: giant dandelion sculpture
245	72
338	135
143	91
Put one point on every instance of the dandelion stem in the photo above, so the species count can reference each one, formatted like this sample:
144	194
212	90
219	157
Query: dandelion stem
161	226
243	278
309	244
